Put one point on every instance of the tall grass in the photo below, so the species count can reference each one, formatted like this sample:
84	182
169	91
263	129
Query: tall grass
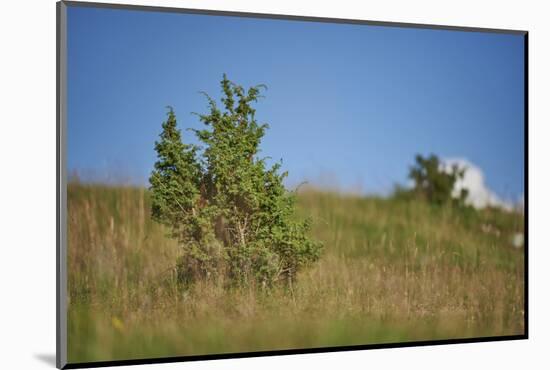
391	271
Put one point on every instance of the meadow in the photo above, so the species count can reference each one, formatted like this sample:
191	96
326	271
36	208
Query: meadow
391	271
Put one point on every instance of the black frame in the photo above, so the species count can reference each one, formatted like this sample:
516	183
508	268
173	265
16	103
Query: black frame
61	277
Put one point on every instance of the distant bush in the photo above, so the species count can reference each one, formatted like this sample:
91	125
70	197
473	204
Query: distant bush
433	182
230	212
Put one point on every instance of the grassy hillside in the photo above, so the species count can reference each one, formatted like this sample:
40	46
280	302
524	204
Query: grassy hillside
391	271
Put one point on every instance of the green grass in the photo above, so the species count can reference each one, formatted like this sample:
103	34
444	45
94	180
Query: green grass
391	271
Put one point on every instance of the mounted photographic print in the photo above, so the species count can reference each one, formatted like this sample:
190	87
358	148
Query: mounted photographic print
235	184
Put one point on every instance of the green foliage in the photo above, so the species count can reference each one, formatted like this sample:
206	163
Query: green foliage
227	208
390	271
433	183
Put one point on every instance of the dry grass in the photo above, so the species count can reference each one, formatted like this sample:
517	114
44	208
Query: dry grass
390	272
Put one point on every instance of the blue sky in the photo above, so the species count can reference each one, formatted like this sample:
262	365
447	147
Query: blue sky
347	105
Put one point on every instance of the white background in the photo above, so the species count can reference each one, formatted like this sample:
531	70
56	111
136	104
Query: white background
27	182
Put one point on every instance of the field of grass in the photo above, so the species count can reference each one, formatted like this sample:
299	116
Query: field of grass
391	271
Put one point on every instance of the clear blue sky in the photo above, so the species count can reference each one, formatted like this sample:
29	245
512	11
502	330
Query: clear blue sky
349	104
